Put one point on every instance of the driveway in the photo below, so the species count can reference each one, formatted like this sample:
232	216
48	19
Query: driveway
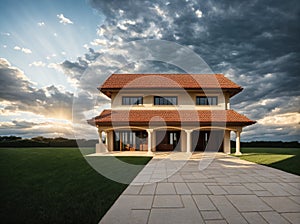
207	188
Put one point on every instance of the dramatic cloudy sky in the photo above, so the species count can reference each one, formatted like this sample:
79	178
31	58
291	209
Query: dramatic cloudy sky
55	53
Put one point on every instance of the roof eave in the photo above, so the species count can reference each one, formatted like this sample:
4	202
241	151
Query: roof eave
94	122
108	91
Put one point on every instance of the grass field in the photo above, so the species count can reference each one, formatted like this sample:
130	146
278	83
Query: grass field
56	185
286	159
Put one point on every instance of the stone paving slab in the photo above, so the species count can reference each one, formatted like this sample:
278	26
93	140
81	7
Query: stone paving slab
167	201
165	188
254	218
229	190
227	210
274	218
292	217
189	214
248	203
282	204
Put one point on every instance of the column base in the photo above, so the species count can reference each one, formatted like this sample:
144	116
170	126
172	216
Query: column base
101	148
238	153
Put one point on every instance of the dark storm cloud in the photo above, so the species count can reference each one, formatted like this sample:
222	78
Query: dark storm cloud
75	69
19	94
254	43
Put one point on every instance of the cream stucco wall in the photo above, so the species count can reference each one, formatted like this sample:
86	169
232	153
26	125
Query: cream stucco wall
186	100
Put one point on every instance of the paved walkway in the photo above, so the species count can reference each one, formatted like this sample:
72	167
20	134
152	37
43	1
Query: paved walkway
229	190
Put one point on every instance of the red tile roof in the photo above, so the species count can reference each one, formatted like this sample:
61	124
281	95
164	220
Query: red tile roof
170	117
168	81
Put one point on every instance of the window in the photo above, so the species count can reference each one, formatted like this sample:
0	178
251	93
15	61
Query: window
206	100
166	100
132	100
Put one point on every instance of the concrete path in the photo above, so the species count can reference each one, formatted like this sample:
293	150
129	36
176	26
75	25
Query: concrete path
229	190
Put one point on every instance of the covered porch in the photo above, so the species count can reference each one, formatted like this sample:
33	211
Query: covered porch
168	139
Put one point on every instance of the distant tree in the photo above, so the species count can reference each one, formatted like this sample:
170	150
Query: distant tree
60	139
9	138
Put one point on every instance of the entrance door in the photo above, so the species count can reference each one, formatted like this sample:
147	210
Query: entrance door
199	140
167	140
208	140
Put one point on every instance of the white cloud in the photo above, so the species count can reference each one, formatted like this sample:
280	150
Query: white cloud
281	119
198	13
124	23
55	34
267	35
159	11
100	31
37	64
5	34
55	66
51	56
17	48
64	20
99	42
41	24
24	50
86	46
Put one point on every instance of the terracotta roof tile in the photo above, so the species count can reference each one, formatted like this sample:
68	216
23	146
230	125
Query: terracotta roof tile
168	81
143	117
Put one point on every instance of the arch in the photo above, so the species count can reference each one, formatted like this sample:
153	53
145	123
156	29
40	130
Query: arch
168	127
214	127
125	127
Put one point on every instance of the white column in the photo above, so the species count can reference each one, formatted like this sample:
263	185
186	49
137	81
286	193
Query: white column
188	141
237	143
149	131
106	136
226	142
100	136
98	146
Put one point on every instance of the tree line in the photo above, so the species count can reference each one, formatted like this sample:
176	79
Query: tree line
40	141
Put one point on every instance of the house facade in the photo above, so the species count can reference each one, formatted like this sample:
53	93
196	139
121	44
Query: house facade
169	112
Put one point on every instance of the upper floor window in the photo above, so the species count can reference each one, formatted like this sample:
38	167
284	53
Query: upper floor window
206	100
166	100
132	100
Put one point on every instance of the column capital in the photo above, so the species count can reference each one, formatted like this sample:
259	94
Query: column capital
188	131
149	130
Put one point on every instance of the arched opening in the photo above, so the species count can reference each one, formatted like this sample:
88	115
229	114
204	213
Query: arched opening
216	139
167	138
125	139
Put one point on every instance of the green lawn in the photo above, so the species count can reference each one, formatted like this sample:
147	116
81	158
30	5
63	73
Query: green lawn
286	159
57	185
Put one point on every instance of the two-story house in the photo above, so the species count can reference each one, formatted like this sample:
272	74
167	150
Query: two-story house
169	112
